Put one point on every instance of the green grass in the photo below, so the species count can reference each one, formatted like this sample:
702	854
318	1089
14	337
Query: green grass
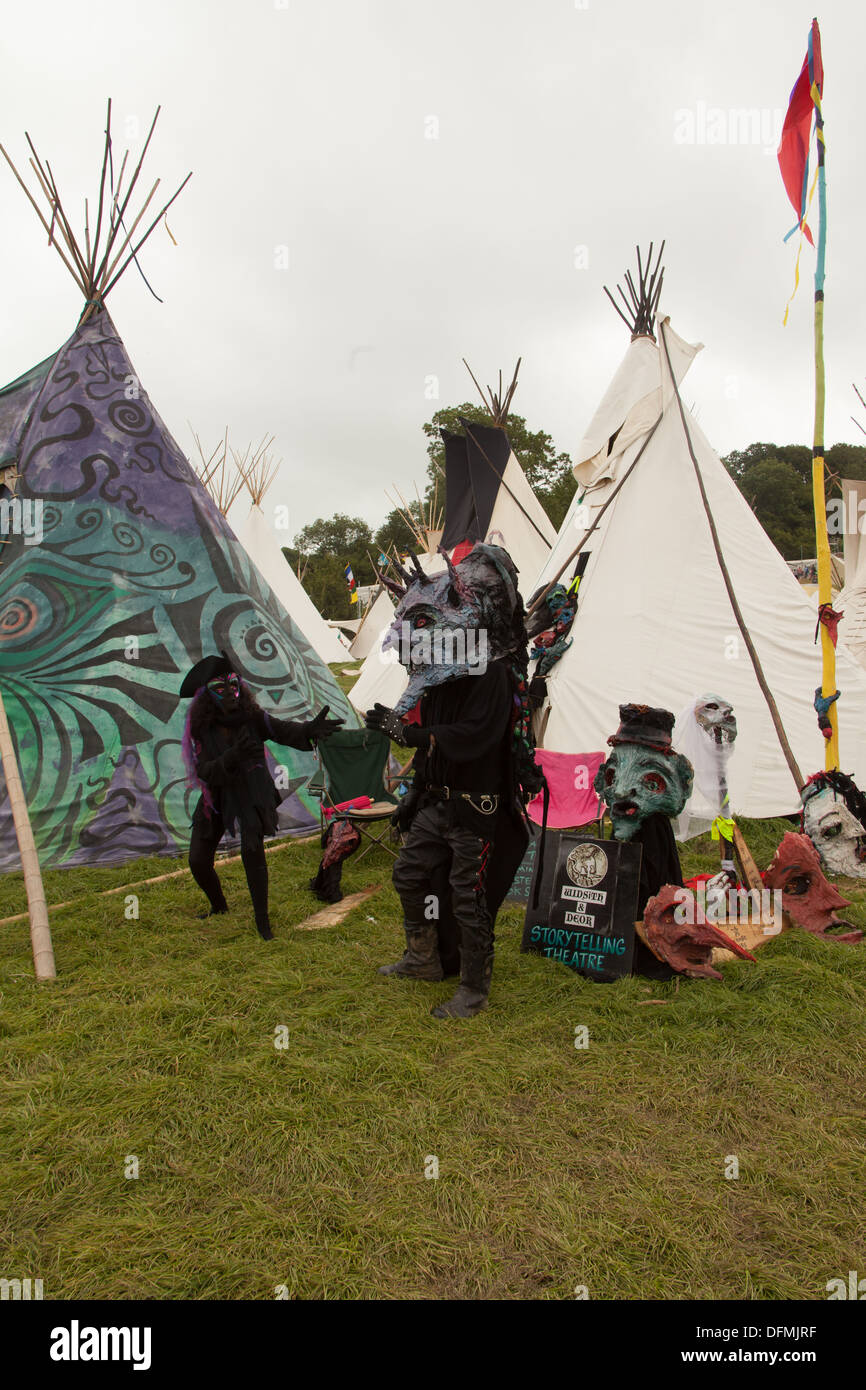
305	1166
338	670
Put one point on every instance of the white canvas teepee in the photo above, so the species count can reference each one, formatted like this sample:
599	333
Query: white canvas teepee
851	601
655	623
376	622
259	539
520	524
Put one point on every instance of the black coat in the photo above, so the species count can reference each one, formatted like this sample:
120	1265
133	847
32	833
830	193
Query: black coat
470	720
239	784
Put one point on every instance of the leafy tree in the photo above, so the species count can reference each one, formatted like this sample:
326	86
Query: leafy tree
324	548
845	460
782	502
336	535
395	530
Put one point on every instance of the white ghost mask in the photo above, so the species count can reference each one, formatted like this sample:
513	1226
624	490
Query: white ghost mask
705	733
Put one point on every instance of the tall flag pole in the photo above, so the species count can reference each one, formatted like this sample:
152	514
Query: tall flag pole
794	165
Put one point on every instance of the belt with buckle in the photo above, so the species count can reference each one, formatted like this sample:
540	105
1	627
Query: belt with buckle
482	802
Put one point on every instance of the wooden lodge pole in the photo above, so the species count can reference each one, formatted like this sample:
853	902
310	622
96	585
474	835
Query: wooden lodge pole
40	932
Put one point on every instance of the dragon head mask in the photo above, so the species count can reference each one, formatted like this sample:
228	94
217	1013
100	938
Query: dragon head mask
454	623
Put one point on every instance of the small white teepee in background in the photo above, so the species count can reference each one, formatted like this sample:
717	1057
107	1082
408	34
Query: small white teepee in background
376	621
255	473
852	599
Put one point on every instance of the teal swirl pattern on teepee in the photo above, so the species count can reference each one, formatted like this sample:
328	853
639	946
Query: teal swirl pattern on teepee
136	576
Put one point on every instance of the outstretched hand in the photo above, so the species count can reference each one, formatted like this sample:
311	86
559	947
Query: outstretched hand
321	726
386	721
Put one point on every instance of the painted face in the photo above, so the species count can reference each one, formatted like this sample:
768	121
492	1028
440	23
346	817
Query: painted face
635	782
836	833
806	894
225	691
716	716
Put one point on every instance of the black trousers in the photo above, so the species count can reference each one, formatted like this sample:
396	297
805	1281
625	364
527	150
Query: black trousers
207	831
433	847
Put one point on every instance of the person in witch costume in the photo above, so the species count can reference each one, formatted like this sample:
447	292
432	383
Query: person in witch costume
223	748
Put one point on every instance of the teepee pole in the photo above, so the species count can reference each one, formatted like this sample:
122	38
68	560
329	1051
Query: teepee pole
825	591
741	624
586	535
40	932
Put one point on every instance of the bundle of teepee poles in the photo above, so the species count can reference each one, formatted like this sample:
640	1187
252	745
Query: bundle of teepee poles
640	314
498	403
225	471
424	518
113	242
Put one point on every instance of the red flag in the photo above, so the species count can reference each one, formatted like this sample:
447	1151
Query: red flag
794	144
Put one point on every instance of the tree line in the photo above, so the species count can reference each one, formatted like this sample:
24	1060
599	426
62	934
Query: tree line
776	481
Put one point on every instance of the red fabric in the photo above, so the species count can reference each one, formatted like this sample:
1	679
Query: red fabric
358	803
414	715
461	551
830	618
794	144
570	804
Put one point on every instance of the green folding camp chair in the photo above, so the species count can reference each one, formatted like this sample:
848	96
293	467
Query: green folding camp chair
352	763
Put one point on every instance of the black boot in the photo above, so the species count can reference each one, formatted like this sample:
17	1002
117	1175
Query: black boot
471	995
207	879
257	882
213	911
420	960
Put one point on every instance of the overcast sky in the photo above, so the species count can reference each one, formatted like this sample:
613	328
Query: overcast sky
450	178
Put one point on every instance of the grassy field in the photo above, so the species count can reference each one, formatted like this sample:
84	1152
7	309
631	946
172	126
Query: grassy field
304	1165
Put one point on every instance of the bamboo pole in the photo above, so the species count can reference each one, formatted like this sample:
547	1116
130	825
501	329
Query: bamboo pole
95	248
40	932
155	223
109	270
825	592
72	270
98	273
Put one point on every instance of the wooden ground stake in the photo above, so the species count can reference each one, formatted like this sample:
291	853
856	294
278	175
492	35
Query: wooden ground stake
332	916
40	932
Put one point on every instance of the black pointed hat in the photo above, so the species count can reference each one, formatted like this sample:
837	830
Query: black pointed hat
205	670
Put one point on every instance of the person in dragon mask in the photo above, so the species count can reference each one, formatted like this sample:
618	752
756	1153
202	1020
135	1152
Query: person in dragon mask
223	749
462	636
